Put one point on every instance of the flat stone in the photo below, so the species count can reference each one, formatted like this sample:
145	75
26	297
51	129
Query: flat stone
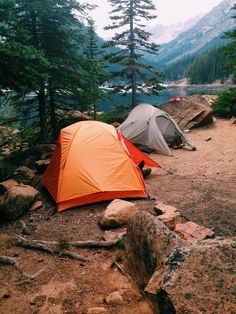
36	206
5	185
168	214
190	231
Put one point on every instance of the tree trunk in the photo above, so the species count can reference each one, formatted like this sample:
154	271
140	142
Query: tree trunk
53	114
43	116
94	112
132	58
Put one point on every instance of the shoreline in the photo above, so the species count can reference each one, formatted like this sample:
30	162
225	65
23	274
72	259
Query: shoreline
219	87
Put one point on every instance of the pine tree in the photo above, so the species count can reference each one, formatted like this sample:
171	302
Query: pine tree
132	42
230	49
95	72
52	32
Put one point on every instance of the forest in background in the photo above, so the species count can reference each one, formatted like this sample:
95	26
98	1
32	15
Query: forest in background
49	59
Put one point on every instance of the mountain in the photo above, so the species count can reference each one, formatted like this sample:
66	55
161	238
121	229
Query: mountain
205	34
164	33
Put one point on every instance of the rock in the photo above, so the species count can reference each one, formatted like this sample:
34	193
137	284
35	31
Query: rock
193	111
97	310
41	165
233	120
115	124
5	185
6	134
181	277
35	206
44	151
208	139
114	298
69	116
111	236
17	201
24	175
117	213
191	231
169	215
208	266
146	247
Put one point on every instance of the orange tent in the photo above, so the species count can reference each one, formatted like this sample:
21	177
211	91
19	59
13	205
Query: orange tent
91	163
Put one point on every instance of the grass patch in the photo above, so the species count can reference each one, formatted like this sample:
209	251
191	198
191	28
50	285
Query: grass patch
6	240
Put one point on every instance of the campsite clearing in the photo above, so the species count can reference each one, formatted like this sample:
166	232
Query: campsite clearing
202	187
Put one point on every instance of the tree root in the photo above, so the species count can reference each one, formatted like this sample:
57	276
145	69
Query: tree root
121	269
98	244
7	260
47	246
53	247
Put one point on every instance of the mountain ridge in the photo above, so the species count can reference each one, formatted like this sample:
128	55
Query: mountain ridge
207	30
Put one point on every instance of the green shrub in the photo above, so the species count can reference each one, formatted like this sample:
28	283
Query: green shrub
225	105
118	114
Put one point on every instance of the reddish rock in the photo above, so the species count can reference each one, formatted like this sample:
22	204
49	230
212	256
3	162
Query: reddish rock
169	215
35	206
191	231
5	185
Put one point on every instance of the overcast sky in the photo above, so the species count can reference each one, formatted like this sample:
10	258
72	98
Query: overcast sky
167	11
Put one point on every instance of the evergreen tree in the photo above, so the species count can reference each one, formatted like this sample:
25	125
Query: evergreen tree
52	32
230	49
95	72
19	63
132	41
53	27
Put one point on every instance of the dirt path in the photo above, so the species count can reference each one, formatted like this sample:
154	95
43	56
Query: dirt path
203	184
202	187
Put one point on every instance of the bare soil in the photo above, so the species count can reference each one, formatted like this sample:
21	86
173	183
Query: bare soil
203	188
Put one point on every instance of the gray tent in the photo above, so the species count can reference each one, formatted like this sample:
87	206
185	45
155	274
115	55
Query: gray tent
153	128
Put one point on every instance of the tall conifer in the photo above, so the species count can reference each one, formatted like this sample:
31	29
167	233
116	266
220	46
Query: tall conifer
133	41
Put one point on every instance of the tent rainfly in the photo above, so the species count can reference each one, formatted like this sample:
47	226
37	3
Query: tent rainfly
153	128
93	162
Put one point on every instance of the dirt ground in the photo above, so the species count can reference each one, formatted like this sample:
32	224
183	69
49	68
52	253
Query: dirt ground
203	188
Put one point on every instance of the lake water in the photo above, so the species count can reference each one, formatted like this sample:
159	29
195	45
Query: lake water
106	105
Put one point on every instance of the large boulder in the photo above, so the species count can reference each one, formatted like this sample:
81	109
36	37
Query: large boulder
16	201
181	277
193	111
117	213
